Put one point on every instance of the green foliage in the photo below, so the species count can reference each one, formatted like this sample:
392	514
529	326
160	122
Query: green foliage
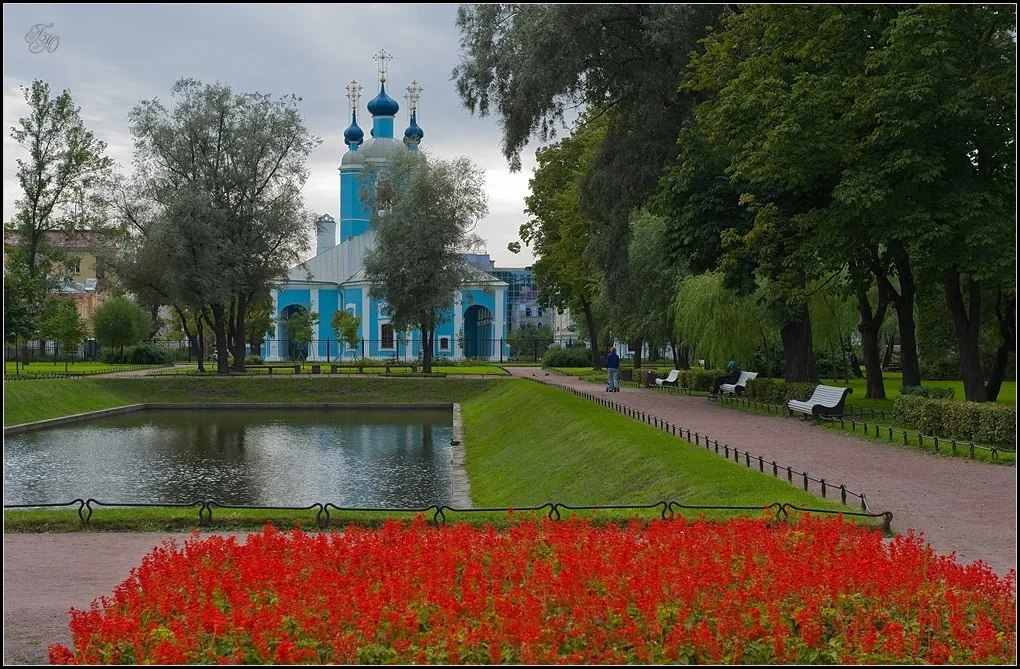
119	322
529	340
146	354
22	303
719	324
934	393
975	421
61	323
59	183
301	328
773	391
698	379
345	326
576	356
423	214
557	231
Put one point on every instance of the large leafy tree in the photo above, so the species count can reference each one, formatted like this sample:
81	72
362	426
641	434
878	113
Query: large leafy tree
942	93
120	322
424	211
558	232
60	182
225	171
652	278
533	65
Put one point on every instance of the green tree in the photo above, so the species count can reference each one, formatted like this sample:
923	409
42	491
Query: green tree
557	231
346	327
620	60
941	96
62	323
719	323
59	182
260	322
529	341
20	314
652	277
301	332
225	172
424	211
120	322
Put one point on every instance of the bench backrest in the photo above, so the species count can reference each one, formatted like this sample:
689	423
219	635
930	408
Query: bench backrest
829	396
745	377
673	376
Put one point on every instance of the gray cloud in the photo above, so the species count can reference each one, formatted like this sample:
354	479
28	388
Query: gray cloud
112	56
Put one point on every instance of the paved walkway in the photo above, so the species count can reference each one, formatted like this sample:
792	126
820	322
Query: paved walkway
959	505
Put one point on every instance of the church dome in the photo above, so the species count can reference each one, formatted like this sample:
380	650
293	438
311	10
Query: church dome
353	159
414	132
382	104
380	149
353	134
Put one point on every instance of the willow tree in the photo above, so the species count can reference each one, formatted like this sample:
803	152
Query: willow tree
424	211
719	323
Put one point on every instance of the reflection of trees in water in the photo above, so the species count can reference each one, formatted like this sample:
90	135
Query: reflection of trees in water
260	458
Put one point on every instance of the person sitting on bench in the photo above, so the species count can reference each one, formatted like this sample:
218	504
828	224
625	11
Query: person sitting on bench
732	375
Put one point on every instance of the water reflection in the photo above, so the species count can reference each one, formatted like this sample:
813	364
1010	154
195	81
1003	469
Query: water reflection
363	458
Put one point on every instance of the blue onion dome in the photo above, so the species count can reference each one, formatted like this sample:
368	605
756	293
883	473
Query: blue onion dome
382	104
354	134
414	132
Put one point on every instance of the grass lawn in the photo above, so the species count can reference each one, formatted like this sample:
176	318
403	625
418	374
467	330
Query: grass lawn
526	445
49	367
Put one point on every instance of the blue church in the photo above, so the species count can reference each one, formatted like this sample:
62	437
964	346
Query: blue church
476	323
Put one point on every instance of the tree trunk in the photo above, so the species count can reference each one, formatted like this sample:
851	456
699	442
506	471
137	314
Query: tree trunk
799	357
428	337
220	328
200	333
681	355
904	302
1005	314
635	346
239	339
593	334
871	323
968	327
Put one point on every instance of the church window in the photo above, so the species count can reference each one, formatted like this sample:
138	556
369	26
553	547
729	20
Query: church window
444	343
386	336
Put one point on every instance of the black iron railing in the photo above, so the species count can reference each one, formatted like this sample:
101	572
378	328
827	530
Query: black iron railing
553	510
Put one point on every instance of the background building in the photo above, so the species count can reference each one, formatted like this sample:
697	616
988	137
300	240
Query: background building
476	323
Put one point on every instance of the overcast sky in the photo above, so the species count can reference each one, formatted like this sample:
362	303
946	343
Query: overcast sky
112	56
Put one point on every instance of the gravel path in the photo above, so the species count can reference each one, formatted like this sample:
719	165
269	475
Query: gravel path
961	506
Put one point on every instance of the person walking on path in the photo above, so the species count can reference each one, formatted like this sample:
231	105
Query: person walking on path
613	366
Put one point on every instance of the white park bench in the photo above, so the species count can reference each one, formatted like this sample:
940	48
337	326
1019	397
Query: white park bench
670	380
739	386
824	401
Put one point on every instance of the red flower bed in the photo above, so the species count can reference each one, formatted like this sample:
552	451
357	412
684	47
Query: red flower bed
554	592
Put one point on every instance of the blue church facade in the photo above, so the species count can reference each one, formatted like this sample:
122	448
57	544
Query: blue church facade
474	325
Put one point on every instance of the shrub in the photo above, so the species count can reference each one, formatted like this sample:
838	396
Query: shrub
576	356
935	393
696	378
253	360
144	354
981	422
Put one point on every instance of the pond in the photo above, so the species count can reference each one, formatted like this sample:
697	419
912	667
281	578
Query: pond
295	457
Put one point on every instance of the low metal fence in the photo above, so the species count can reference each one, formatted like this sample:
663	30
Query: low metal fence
553	510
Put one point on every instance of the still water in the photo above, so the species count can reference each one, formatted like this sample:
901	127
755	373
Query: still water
360	458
